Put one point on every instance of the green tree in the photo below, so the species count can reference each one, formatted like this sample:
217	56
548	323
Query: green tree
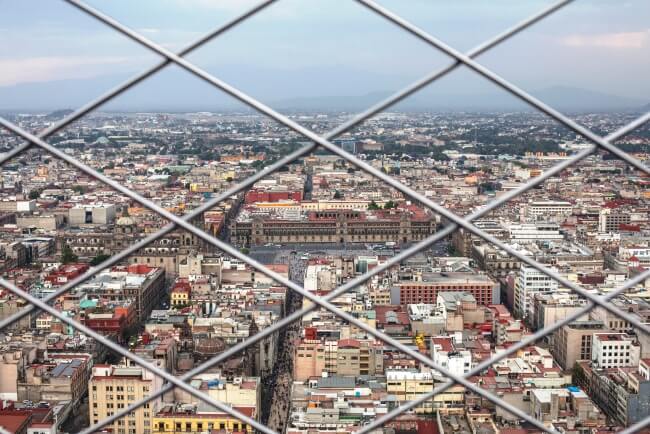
67	255
99	259
373	206
390	205
338	195
35	194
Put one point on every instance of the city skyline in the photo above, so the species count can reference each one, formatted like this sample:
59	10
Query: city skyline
172	262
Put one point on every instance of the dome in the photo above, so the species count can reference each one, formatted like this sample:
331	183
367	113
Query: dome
125	221
209	346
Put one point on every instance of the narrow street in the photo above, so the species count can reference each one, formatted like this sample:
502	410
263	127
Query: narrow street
279	385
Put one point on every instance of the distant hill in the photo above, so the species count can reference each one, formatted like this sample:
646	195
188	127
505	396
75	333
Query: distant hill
572	98
58	114
324	89
563	98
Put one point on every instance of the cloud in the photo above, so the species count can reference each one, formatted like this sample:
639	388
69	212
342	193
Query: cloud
39	69
278	10
149	30
226	5
628	40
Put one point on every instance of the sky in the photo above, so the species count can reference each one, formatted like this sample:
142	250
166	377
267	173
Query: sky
317	48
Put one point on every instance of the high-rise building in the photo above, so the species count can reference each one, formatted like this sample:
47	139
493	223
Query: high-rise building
610	220
529	282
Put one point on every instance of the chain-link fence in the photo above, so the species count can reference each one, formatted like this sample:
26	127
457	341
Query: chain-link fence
175	222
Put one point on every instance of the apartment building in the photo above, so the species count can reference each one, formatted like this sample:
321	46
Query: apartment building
610	220
614	350
351	357
409	385
55	381
113	388
573	342
529	282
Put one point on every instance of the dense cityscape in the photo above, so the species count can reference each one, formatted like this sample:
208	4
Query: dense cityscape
179	301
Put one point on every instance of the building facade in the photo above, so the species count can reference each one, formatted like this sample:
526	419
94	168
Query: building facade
113	388
529	282
484	289
333	226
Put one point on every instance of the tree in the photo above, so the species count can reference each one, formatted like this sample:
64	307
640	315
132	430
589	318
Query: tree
451	251
99	259
79	189
67	255
338	195
390	205
373	206
35	194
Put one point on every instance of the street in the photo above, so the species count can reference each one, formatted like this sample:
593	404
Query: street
279	383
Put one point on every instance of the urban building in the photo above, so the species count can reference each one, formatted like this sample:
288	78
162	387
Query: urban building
113	388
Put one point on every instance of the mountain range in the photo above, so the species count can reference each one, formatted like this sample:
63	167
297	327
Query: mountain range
331	89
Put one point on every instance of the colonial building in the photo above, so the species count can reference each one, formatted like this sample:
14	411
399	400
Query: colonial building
336	226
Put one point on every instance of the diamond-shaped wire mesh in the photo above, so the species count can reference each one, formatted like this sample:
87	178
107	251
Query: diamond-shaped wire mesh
324	141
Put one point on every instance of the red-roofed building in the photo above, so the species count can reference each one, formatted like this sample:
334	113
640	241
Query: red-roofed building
66	273
15	421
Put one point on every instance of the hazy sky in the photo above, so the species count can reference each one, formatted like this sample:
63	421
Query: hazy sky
333	47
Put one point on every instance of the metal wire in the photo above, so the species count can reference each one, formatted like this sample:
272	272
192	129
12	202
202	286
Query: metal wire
183	222
253	263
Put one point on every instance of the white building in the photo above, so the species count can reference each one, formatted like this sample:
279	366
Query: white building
95	214
613	350
320	277
445	355
642	253
531	232
528	283
547	208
